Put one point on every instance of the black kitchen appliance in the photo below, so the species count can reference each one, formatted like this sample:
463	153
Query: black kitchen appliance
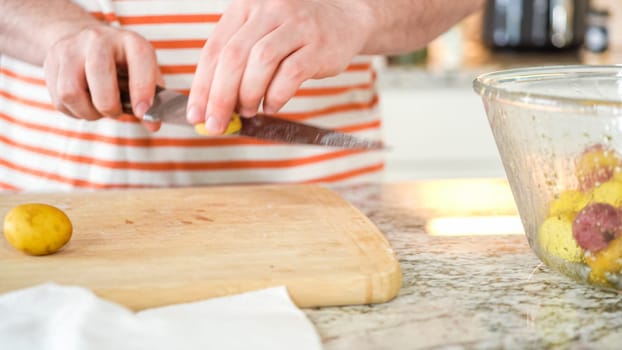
535	24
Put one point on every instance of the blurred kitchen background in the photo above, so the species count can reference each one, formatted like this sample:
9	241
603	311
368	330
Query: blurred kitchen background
433	121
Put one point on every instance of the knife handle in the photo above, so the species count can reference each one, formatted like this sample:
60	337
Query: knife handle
126	104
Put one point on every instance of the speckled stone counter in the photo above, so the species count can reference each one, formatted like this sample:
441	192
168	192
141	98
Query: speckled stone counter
466	290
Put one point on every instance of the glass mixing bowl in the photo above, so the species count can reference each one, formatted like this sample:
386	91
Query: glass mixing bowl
559	134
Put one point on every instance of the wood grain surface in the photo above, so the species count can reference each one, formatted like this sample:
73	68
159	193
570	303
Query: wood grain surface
155	247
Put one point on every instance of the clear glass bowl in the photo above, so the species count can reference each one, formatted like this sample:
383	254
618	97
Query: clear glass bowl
559	134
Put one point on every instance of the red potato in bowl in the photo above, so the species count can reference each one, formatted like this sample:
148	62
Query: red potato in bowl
597	225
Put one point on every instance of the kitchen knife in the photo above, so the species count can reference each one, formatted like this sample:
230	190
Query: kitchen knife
170	107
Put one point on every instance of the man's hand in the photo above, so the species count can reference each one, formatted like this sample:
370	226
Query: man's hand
80	55
264	50
260	50
82	69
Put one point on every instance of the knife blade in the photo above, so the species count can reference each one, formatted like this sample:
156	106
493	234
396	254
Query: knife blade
170	107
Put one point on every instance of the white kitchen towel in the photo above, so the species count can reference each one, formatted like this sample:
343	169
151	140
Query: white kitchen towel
51	317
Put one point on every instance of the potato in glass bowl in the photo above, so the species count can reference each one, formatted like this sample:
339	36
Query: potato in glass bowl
558	130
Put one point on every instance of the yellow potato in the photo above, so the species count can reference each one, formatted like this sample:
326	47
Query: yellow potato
606	260
234	126
555	237
609	192
568	202
37	229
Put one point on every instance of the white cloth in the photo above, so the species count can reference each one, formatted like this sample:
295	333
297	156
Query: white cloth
53	317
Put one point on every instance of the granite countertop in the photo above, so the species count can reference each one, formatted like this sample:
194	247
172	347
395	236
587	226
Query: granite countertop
468	290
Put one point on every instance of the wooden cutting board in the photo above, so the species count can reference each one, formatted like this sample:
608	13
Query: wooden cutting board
147	248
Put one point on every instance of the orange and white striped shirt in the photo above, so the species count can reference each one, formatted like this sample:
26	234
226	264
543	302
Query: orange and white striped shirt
42	149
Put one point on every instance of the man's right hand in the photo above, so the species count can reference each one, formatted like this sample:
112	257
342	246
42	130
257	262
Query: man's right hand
81	72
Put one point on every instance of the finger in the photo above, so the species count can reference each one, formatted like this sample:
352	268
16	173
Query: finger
155	126
223	96
151	126
290	74
143	72
50	69
160	78
73	93
229	23
265	57
101	77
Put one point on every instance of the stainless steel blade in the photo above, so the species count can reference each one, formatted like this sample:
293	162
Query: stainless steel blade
170	107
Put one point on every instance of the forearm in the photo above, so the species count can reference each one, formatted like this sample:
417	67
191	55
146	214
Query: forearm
28	28
400	26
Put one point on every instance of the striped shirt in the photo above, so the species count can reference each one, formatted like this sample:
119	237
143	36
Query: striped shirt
42	149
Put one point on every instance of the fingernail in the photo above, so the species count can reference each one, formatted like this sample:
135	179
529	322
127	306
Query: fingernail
248	113
141	108
194	115
213	126
269	110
